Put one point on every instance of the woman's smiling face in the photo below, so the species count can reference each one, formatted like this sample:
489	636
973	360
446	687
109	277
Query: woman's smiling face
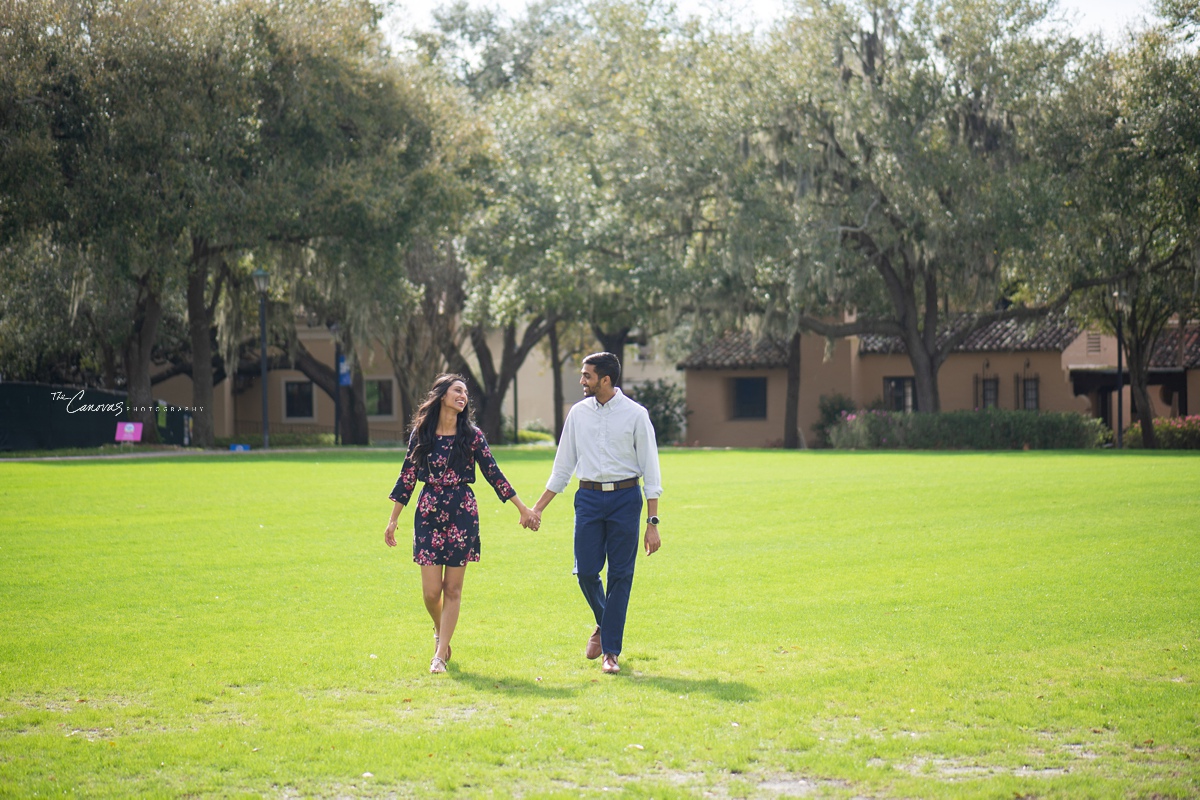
455	398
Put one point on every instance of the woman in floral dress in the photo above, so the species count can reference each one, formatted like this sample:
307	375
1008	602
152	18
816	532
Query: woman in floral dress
442	452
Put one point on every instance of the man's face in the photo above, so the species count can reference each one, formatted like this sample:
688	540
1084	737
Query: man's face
589	380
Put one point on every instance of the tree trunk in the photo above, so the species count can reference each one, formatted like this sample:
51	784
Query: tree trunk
925	369
1145	413
138	346
355	429
200	333
614	342
416	357
490	420
556	366
791	413
1137	353
109	365
491	384
406	408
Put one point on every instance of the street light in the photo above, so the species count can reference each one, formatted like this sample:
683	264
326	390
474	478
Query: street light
262	280
1119	304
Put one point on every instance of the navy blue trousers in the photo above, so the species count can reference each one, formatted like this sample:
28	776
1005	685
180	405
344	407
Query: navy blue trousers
606	528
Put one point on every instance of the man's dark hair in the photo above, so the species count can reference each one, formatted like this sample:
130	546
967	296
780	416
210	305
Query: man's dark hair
605	364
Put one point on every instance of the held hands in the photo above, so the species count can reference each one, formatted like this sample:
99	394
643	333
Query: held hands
531	519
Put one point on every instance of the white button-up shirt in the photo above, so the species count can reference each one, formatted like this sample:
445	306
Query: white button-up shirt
607	443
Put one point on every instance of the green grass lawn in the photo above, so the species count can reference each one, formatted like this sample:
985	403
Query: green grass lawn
817	624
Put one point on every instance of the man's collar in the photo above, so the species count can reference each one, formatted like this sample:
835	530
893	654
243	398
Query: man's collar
616	398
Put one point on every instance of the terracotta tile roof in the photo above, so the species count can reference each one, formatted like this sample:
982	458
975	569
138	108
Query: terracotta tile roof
1166	352
1053	333
738	350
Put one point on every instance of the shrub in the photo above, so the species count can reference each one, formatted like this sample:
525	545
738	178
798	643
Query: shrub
533	433
531	436
1173	433
966	430
667	406
832	408
537	426
280	439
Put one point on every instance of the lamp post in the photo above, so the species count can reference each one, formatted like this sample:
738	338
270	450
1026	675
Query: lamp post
262	280
1119	304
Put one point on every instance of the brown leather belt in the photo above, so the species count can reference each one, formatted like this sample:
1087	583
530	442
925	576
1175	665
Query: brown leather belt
608	487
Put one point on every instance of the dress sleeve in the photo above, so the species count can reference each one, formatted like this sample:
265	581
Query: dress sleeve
407	481
490	469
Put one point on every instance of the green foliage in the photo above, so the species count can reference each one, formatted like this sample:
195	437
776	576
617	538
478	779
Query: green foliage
1126	141
966	430
1171	433
831	409
277	440
970	625
530	436
166	141
896	161
667	405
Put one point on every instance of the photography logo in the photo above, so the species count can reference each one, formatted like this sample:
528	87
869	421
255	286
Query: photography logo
75	404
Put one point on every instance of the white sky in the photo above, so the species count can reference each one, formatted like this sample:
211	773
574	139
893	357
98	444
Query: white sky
1108	17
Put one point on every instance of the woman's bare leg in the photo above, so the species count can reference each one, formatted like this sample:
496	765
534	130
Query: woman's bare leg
451	602
431	589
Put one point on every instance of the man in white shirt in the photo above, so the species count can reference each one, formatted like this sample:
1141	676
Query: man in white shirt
608	441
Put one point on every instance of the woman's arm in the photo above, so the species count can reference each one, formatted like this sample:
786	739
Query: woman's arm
407	481
491	470
389	533
402	492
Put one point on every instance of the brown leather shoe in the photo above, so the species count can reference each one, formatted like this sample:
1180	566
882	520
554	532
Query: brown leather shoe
610	664
593	645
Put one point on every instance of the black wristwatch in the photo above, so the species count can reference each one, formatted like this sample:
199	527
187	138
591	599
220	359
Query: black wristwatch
652	520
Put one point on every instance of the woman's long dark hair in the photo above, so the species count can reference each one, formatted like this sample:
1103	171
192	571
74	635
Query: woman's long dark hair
425	422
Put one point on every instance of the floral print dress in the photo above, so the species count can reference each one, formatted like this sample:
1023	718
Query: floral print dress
446	522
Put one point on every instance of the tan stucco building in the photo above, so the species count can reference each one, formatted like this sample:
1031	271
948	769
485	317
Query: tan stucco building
297	405
736	385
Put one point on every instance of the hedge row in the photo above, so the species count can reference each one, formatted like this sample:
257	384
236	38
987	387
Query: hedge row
966	430
1172	433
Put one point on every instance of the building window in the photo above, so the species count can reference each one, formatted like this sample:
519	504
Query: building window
991	392
642	352
298	400
899	394
1031	394
749	398
1093	343
379	397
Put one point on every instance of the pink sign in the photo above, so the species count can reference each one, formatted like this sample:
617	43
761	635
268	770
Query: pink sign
129	431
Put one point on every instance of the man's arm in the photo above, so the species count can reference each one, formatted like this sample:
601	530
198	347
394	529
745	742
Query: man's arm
647	453
543	501
652	541
565	460
646	448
